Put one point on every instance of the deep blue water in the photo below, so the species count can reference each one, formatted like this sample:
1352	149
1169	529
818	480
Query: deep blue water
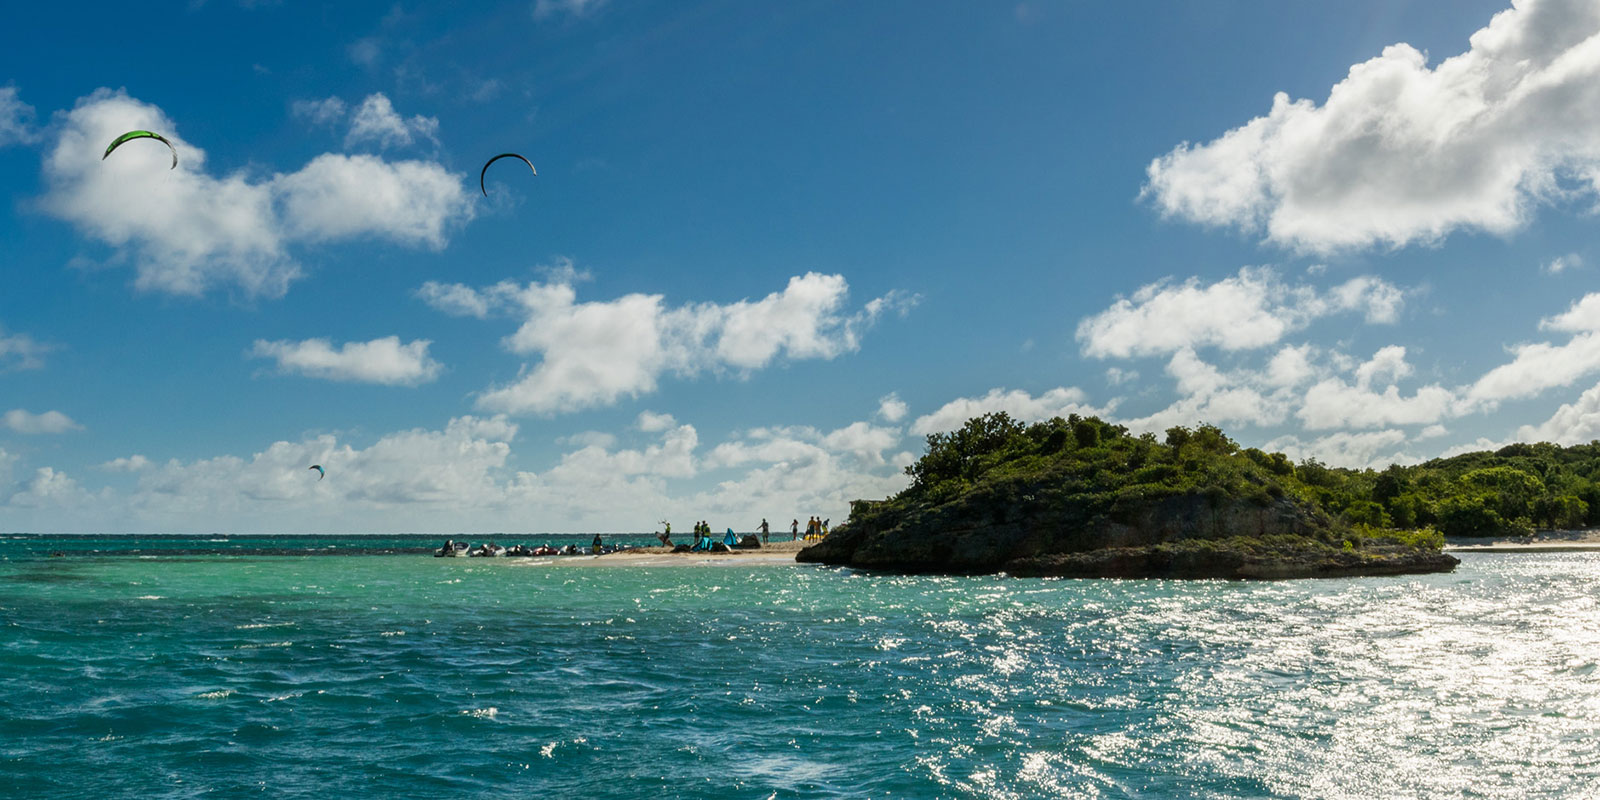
407	676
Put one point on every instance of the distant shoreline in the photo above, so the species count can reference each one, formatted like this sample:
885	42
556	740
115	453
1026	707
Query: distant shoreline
774	554
1579	541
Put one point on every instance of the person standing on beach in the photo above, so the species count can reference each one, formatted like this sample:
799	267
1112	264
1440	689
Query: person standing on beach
794	529
763	530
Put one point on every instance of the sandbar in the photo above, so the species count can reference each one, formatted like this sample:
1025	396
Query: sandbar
775	554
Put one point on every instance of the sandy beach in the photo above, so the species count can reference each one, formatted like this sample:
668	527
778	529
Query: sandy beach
774	554
1541	542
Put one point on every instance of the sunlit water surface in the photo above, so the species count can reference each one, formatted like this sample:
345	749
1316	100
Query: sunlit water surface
407	676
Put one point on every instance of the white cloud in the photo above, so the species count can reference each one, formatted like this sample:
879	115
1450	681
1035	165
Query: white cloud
1290	367
892	408
188	232
596	353
1116	376
1389	362
16	119
1207	394
1333	403
1573	423
1582	317
600	439
651	422
1249	310
1370	450
49	489
344	197
863	440
1535	368
320	112
133	463
455	299
375	120
1561	264
1058	402
460	478
384	360
1400	153
19	351
22	421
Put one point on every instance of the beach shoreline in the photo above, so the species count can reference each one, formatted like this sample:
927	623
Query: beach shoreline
768	555
1577	541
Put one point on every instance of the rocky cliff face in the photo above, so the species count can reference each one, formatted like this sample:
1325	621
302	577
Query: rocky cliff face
1029	528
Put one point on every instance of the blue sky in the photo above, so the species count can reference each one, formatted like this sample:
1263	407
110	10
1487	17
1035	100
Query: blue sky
769	248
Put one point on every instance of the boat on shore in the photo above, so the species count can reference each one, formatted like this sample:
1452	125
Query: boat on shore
451	549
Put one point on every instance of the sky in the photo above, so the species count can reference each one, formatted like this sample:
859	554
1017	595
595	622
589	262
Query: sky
769	248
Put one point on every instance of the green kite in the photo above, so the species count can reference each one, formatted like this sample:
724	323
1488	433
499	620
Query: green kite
131	135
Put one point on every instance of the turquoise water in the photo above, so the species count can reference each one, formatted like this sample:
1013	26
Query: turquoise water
408	676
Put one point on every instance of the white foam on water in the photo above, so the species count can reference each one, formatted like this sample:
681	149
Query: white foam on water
254	625
482	713
149	597
392	633
216	695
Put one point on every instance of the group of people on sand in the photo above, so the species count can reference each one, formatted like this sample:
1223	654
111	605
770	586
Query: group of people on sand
815	529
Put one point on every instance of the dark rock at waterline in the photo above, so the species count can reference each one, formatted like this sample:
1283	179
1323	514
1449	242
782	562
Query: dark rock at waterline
1022	528
1234	563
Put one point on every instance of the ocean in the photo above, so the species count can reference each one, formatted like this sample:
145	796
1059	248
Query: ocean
181	667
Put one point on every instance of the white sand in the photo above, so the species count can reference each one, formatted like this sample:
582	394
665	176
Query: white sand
776	554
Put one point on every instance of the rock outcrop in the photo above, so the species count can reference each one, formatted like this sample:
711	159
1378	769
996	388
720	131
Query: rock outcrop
1024	528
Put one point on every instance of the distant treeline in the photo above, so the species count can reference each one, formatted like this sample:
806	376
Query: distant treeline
1510	491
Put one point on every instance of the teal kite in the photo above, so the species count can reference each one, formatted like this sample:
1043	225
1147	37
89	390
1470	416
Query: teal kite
320	472
131	135
486	164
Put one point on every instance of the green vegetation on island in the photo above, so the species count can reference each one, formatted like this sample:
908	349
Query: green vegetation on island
1080	496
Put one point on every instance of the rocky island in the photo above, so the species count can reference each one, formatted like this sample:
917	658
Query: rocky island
1079	497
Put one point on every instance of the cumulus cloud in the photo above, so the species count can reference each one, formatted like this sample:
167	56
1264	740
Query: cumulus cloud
188	232
376	121
384	360
1540	366
1209	394
21	421
651	422
596	353
1370	450
49	489
1250	310
16	119
1402	153
461	477
455	299
1061	401
1561	264
892	408
1573	423
133	463
20	351
320	112
1333	403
